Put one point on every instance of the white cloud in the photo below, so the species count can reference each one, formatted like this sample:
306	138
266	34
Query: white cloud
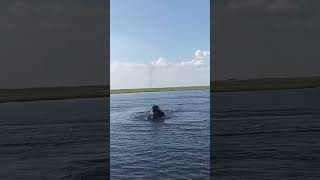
123	66
165	73
194	63
202	54
161	62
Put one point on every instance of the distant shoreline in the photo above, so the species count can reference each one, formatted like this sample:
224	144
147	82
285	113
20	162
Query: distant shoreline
53	93
60	93
234	85
165	89
96	91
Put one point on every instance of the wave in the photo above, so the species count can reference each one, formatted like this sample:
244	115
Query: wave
265	112
264	132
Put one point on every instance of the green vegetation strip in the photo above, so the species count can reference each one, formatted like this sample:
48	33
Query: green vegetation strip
53	93
56	93
265	84
120	91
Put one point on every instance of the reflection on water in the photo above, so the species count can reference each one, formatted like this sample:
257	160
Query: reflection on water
176	147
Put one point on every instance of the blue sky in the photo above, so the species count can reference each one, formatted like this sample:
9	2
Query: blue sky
153	28
146	30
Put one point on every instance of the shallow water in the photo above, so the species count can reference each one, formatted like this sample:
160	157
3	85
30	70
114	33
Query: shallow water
266	135
64	139
175	148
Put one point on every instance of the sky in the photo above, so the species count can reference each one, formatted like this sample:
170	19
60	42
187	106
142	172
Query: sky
171	37
265	39
53	43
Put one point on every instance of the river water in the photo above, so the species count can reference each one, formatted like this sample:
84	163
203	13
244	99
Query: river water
175	148
255	135
63	139
266	134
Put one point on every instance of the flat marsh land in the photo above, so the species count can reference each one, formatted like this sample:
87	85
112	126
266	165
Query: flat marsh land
55	93
119	91
265	84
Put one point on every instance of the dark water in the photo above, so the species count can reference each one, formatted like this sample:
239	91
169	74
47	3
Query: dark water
64	139
176	148
266	135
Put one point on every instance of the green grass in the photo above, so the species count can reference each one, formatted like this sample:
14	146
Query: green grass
56	93
53	93
265	84
120	91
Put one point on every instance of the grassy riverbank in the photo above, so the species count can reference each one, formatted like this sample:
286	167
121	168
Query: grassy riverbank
265	84
56	93
120	91
53	93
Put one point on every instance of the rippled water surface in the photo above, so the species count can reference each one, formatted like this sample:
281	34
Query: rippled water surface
175	148
266	135
64	139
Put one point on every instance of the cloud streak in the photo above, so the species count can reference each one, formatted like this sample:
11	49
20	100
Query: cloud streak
202	54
